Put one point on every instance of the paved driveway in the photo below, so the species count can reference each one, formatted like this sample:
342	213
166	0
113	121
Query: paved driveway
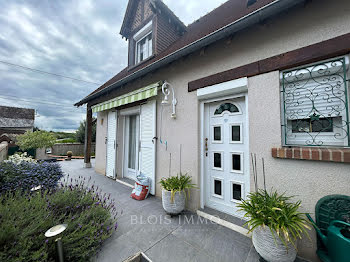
144	226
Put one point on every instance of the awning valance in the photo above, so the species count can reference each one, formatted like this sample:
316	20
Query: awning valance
134	96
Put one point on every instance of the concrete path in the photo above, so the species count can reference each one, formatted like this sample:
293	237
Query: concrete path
144	226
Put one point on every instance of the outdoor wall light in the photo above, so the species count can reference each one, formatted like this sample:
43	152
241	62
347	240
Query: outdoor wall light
166	90
54	231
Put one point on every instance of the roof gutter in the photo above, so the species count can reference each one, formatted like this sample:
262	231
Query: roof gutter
253	18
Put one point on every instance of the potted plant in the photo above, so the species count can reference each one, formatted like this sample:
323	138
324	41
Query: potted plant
174	192
69	155
276	224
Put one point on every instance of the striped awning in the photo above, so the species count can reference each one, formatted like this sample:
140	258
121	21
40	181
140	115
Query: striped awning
134	96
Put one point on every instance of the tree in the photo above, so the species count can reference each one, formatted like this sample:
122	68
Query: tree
80	133
34	140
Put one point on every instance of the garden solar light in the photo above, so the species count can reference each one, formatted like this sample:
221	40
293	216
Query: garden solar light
166	92
54	231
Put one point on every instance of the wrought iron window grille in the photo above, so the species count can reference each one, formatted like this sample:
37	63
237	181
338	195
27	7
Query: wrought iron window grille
315	104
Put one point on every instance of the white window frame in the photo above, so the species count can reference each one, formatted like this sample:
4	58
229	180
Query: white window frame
222	187
142	34
221	135
241	133
241	159
231	191
222	160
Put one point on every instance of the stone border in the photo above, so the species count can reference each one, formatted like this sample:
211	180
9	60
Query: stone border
340	155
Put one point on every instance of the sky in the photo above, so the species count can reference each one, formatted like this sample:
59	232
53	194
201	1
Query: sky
75	38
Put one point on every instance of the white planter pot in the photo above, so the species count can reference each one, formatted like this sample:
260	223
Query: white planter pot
177	205
265	245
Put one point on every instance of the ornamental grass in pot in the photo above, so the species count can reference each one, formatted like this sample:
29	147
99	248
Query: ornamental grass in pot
276	224
174	192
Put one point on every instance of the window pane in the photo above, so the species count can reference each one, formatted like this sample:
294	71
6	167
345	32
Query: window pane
236	191
217	160
217	187
132	142
300	126
226	107
322	125
236	162
236	133
217	133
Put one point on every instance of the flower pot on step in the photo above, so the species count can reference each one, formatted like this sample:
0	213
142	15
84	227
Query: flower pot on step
272	248
173	205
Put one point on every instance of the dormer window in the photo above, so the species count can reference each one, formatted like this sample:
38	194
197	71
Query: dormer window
144	46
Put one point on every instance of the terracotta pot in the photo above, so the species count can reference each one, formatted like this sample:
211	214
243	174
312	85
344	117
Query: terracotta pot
271	250
173	206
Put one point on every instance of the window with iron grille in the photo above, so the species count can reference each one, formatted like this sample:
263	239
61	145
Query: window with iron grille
315	109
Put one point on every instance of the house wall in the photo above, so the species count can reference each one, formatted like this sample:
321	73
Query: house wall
101	133
3	151
308	180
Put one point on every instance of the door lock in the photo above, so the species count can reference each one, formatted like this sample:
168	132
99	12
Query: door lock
206	147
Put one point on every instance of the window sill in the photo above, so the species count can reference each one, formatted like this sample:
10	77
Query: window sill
141	63
339	155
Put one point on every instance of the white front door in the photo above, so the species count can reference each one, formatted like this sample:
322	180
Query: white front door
111	143
131	144
226	154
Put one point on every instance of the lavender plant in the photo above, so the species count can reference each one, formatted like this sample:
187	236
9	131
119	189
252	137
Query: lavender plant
25	217
27	175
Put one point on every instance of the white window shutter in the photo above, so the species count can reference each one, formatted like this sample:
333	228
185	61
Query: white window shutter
111	144
148	119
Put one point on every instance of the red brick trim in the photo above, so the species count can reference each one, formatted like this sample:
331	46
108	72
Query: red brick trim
340	155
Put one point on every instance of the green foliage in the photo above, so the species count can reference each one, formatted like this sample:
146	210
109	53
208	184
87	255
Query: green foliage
80	133
276	212
178	183
33	140
26	217
63	135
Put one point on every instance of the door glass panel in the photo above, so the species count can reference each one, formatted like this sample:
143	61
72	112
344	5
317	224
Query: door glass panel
236	162
132	142
217	187
235	133
217	160
217	133
236	191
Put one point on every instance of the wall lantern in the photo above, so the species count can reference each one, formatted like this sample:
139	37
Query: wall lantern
55	231
166	90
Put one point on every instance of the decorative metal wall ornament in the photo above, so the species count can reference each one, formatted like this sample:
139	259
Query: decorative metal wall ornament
315	105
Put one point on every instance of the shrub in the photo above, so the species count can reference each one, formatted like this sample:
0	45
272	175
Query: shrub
18	158
26	217
26	175
276	212
33	140
177	183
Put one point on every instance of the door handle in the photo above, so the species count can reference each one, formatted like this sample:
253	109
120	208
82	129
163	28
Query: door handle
206	147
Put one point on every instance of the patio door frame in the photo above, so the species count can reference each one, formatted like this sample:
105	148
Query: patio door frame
127	113
203	127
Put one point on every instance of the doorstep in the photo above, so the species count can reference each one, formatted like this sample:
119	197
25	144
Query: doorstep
223	219
126	181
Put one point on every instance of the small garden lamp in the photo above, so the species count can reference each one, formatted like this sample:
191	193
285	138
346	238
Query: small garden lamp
166	92
55	231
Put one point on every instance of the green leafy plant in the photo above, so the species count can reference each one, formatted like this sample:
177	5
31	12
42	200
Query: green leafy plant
178	183
33	140
25	217
278	213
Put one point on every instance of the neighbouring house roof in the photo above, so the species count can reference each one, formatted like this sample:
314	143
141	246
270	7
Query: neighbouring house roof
15	117
230	17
